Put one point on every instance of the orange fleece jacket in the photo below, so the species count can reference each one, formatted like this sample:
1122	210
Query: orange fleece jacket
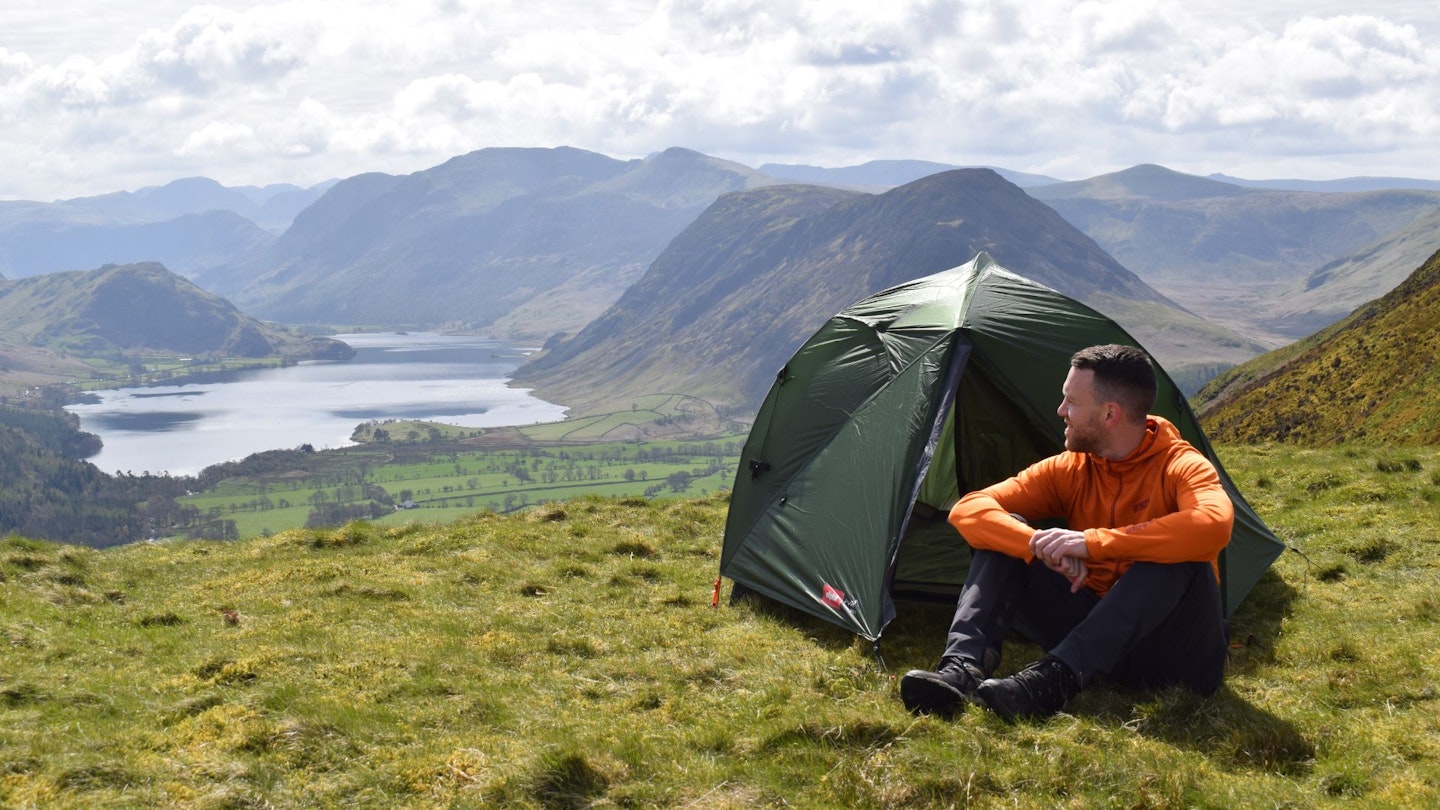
1162	503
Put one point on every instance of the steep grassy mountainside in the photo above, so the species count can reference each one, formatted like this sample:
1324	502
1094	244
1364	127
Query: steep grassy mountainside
544	239
139	309
1371	377
734	295
1167	225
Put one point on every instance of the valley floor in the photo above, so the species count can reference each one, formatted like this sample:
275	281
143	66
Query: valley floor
1241	308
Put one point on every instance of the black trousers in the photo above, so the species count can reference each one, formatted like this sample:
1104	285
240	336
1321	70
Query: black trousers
1160	624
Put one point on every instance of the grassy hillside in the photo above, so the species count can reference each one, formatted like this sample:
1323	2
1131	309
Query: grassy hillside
1371	377
569	657
110	323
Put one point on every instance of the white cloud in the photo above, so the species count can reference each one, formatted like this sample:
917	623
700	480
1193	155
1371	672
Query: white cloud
13	65
1340	82
301	90
217	139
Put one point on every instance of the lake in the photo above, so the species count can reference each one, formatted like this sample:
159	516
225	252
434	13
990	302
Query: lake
182	429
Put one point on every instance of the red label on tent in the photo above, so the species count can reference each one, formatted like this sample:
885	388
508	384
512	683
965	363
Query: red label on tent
832	597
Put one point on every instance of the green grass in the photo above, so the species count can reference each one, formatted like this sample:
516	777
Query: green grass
568	656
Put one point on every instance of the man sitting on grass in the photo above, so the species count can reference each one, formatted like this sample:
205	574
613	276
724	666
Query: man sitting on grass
1130	588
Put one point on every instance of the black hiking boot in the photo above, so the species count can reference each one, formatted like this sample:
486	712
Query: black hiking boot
1037	691
943	692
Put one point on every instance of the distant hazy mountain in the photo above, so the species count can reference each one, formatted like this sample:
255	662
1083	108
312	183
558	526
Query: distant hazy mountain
271	207
735	294
139	309
190	243
1147	183
878	175
1166	225
195	194
1344	184
1371	377
524	242
190	226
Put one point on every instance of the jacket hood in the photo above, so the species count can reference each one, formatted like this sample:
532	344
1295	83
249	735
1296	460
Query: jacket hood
1161	439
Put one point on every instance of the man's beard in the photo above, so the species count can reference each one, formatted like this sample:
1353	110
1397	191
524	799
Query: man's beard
1082	441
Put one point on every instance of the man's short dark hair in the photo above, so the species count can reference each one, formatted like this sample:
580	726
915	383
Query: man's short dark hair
1123	374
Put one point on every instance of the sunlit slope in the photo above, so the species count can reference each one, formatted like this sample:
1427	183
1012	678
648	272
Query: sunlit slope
1371	377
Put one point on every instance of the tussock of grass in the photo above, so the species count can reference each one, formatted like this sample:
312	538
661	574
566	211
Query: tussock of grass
569	657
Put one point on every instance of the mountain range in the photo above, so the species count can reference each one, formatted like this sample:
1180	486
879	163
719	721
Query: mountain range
537	244
1275	265
1342	184
1168	226
734	294
517	242
189	225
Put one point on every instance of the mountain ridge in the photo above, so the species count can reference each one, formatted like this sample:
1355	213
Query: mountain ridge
562	231
1145	181
736	293
190	225
1164	224
885	174
1340	184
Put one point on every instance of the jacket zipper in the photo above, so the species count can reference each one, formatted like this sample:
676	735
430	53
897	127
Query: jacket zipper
1115	502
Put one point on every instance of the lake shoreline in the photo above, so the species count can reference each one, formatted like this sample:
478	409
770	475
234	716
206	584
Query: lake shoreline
180	426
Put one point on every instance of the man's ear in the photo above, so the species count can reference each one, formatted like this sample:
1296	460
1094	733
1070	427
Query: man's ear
1112	413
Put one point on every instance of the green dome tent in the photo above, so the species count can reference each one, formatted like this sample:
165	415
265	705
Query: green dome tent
892	410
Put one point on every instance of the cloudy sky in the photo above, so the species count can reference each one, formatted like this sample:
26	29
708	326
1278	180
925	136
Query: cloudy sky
104	96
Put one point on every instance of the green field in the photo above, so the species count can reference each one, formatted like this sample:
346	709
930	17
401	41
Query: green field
404	471
439	482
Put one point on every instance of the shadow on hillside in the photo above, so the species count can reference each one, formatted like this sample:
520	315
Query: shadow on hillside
1225	726
1255	627
1228	729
